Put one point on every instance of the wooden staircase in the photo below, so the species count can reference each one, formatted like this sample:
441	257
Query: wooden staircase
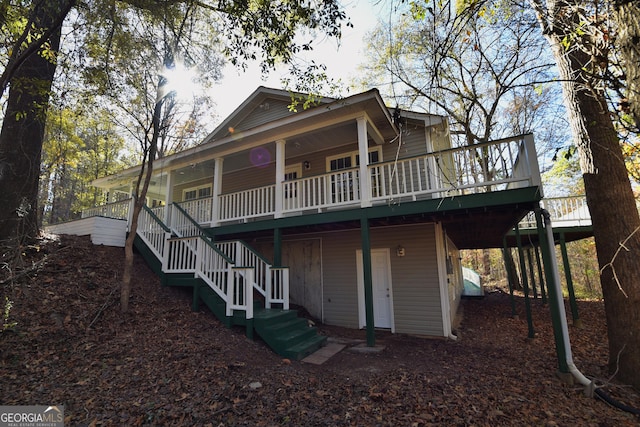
282	330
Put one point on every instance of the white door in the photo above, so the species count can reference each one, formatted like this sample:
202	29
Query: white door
382	292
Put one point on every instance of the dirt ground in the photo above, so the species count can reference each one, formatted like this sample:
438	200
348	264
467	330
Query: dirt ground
162	364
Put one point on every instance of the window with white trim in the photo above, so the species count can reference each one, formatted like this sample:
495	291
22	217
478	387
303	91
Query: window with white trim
342	184
194	193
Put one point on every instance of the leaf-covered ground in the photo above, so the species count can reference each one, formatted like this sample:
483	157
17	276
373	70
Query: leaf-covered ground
163	364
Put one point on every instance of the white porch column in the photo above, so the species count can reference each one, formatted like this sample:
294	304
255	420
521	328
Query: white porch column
363	149
168	197
280	160
216	190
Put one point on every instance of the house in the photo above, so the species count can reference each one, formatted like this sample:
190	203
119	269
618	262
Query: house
351	209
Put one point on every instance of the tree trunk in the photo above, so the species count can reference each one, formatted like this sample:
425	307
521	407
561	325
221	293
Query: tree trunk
146	171
613	209
626	15
22	135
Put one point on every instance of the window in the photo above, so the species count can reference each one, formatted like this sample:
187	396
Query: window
344	186
352	159
196	193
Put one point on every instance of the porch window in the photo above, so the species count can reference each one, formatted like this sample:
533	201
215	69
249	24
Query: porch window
196	193
342	184
291	173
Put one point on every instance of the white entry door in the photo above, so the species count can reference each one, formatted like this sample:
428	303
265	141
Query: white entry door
382	292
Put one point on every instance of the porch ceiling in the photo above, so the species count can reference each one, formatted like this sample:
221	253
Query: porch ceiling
304	144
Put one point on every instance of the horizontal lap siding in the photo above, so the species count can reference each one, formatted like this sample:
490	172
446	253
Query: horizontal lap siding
340	278
246	179
415	282
103	231
270	110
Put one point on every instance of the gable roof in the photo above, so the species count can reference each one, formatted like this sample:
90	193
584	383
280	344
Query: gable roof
282	124
262	99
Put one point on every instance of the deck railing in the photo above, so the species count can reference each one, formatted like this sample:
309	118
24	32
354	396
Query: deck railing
569	211
322	191
480	168
247	204
199	209
182	223
116	210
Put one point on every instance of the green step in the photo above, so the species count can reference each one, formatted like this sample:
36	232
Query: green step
304	348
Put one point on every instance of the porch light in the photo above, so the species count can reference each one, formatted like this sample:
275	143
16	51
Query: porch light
307	165
400	251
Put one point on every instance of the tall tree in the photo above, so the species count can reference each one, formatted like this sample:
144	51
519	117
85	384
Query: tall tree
30	69
264	31
574	31
483	66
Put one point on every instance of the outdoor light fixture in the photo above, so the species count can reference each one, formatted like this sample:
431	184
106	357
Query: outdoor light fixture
400	251
307	165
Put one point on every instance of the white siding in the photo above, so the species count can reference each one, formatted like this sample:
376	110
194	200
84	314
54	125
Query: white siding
103	231
415	284
416	293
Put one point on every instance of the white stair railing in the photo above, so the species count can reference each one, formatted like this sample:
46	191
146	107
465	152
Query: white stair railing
153	232
272	282
219	263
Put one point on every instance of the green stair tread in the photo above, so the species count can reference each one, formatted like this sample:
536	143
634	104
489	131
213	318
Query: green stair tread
270	315
283	327
296	335
304	348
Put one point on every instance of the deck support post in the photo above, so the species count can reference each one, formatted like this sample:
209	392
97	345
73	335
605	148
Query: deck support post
168	198
543	293
532	273
509	268
525	283
280	170
216	189
363	150
554	304
195	304
567	273
368	280
277	247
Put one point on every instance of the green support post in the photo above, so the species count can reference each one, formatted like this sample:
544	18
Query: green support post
543	293
509	268
525	284
195	304
277	247
567	274
368	280
554	304
532	274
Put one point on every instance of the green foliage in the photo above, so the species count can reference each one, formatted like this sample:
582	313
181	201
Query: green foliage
585	273
78	148
564	178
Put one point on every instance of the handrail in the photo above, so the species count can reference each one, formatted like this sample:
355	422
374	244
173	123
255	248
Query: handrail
116	210
184	214
570	211
155	217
